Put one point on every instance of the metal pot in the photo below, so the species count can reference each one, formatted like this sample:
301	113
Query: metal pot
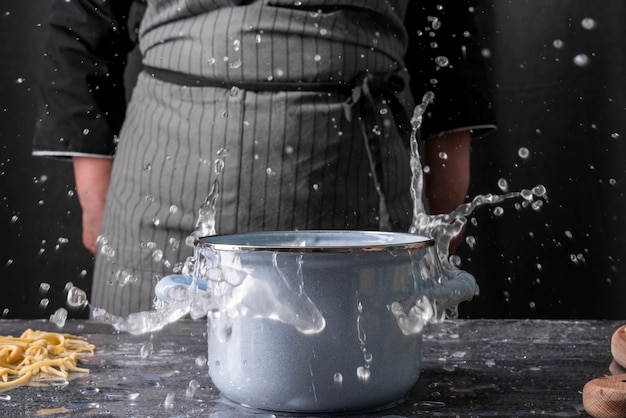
320	321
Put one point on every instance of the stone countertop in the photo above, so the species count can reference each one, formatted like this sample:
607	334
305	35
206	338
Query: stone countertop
471	368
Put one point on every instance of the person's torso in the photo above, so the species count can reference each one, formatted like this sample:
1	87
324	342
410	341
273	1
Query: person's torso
274	40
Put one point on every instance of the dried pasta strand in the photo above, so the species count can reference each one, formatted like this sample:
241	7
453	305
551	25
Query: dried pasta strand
40	353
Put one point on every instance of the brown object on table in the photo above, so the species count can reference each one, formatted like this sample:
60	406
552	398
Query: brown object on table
605	397
618	346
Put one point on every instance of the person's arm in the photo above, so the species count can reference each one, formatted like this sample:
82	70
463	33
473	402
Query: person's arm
82	99
92	182
82	96
444	56
448	177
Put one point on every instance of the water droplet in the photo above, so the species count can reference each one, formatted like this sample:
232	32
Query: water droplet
174	243
85	131
443	155
150	198
537	204
498	211
338	378
211	61
43	304
90	391
223	152
503	184
539	190
169	401
557	43
612	181
218	166
236	45
191	388
588	23
59	317
615	135
156	221
317	58
76	297
581	60
526	194
235	64
68	286
257	39
107	251
485	52
234	91
363	373
471	241
435	23
523	153
200	361
157	255
43	288
146	349
442	61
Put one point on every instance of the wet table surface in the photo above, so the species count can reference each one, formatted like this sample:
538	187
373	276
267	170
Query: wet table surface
471	368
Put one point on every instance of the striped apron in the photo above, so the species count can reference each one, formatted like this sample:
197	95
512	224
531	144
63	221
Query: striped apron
300	106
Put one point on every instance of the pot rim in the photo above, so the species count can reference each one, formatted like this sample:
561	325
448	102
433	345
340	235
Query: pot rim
289	241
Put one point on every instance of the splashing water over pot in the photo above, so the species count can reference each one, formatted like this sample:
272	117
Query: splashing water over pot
280	306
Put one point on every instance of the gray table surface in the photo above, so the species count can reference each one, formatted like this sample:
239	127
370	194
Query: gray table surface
472	368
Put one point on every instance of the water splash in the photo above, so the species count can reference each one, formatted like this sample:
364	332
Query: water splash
231	290
443	228
443	295
237	291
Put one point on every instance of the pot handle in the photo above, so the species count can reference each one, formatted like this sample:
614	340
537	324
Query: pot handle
164	288
455	287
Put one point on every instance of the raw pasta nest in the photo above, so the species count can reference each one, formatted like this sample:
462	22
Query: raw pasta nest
45	355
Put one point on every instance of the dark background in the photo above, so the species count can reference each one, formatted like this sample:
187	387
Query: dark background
564	260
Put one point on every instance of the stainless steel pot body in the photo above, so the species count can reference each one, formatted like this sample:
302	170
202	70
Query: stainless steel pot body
361	359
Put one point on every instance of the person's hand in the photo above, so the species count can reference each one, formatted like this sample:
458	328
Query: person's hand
448	178
92	177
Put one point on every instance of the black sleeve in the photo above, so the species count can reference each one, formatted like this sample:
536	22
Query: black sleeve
81	97
444	56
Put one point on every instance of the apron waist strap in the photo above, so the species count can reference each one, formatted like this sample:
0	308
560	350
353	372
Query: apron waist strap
189	80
